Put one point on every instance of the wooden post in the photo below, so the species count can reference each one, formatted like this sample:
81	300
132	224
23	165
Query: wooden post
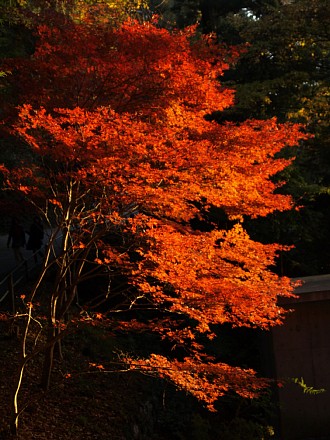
11	289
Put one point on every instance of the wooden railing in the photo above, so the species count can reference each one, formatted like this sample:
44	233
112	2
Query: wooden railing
13	278
21	272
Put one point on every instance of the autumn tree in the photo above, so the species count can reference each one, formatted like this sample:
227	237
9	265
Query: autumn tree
115	117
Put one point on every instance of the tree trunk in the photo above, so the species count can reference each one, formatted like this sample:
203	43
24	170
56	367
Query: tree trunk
48	359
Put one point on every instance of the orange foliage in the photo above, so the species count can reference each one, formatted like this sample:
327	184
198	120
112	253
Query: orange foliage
214	283
205	381
117	116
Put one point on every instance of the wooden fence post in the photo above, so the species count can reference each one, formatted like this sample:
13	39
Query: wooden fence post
11	289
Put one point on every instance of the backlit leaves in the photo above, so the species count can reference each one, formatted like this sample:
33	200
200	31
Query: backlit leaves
114	119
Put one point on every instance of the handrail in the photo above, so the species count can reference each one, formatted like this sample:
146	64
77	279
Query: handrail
12	283
9	277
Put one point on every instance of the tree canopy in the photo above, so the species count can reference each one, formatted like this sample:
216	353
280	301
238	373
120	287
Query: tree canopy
112	117
283	72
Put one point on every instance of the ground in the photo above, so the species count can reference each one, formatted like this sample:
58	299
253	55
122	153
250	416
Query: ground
86	406
77	408
83	403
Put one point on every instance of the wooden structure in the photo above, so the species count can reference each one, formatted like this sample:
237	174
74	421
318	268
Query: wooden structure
301	349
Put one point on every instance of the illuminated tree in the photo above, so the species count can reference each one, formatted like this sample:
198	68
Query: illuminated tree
114	118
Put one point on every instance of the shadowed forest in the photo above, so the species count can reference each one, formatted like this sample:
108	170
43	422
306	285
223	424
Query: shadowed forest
177	154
